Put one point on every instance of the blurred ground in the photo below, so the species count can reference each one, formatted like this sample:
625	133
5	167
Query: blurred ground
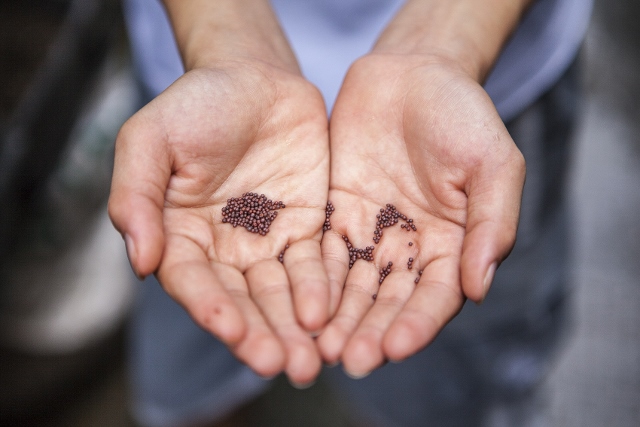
596	381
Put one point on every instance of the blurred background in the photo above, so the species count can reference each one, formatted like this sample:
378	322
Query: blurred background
66	286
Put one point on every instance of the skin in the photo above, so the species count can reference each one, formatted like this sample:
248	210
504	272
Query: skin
411	126
230	125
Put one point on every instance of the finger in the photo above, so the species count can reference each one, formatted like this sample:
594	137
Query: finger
309	284
363	352
493	210
260	349
335	257
269	289
188	278
357	298
139	181
216	296
436	299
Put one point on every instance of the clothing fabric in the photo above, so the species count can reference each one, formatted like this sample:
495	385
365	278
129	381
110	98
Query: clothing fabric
328	35
488	356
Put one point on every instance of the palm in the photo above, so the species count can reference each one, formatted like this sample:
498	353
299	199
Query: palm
219	134
422	138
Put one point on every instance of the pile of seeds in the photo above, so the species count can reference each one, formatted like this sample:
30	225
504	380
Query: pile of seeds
281	256
356	254
410	263
390	216
251	211
327	221
384	272
409	225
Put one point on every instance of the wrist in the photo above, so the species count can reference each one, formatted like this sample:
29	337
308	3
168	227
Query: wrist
466	33
209	32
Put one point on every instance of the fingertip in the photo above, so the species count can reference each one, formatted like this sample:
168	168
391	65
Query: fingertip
313	316
267	358
140	223
361	356
483	249
303	366
399	342
330	344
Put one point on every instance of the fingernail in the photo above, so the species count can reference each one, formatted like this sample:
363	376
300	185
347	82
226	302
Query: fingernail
488	278
301	386
267	377
132	254
356	375
315	334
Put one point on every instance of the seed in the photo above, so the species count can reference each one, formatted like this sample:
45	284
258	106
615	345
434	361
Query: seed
356	253
251	211
328	211
417	280
410	243
281	256
384	272
374	296
389	217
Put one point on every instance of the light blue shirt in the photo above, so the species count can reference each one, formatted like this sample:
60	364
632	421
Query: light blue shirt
328	35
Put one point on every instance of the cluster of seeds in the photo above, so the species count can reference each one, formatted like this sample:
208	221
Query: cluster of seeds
281	256
418	278
384	272
390	216
410	263
409	225
356	254
251	211
327	221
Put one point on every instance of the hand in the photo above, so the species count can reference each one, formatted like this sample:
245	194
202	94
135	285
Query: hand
215	134
420	134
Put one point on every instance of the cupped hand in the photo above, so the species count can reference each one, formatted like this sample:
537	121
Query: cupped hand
421	135
216	134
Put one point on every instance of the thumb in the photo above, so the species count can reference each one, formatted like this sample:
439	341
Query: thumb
140	176
494	197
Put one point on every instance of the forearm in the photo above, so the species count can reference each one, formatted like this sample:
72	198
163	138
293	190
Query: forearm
471	33
210	31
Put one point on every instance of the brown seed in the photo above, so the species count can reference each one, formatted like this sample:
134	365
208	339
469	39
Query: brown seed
356	253
384	272
374	296
252	211
328	211
388	217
